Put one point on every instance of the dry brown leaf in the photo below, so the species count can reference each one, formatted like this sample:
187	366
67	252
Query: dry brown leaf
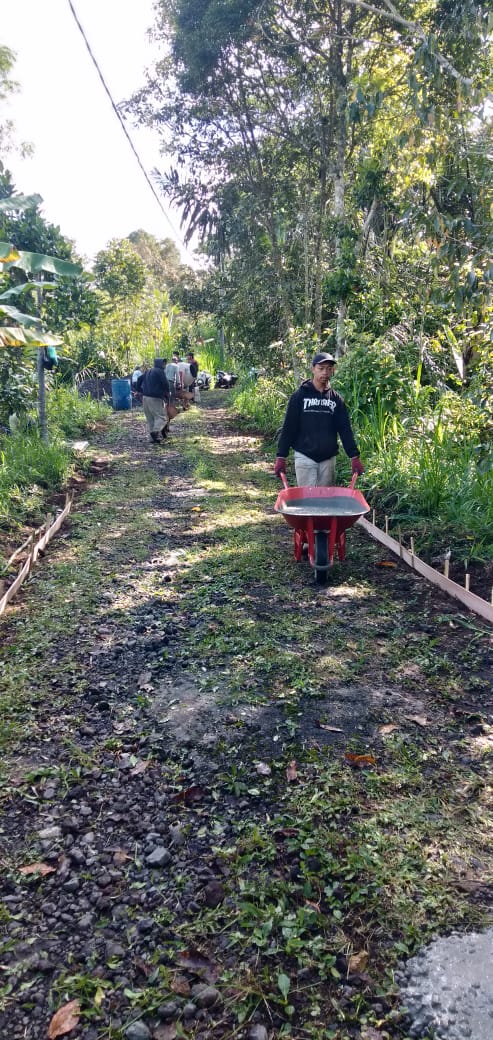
388	727
357	962
420	720
180	985
189	796
120	857
386	563
37	868
140	767
291	771
195	961
65	1019
331	729
360	761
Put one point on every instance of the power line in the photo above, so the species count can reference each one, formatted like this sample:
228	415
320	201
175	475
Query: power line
125	131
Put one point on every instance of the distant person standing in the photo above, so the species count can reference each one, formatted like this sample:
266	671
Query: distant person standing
154	388
173	377
194	371
194	367
136	374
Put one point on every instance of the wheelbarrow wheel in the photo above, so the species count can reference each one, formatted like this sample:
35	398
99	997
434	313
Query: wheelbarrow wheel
321	557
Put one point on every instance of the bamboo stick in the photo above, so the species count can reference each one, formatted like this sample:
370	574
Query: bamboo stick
34	550
469	599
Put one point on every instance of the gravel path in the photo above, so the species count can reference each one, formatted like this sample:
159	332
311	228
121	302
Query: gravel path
125	745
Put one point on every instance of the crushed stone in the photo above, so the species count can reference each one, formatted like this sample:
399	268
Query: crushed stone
447	988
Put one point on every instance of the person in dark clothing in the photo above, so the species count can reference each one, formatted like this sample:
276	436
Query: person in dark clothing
194	367
316	415
155	391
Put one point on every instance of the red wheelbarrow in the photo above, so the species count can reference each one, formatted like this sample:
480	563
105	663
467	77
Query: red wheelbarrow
320	517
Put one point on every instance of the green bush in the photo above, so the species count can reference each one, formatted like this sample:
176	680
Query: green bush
374	371
261	405
70	413
28	468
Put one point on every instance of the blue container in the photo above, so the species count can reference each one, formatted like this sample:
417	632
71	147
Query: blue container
121	394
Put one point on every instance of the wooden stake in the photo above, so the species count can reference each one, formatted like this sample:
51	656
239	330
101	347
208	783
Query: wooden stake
468	581
400	539
373	518
446	568
386	525
412	549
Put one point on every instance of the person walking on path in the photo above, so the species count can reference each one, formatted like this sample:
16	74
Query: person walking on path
173	377
316	415
154	388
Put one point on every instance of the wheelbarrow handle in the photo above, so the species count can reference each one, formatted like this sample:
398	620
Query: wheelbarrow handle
353	481
284	480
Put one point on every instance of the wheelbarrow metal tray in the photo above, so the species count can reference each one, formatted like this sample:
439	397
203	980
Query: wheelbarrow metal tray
319	505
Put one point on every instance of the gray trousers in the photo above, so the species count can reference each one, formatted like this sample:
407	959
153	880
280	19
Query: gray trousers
314	474
155	413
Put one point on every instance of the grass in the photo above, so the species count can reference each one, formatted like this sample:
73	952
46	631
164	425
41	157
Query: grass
31	469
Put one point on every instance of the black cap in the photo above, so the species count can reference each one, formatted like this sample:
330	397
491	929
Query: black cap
322	358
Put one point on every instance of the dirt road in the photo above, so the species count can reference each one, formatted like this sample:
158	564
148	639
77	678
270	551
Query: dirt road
231	800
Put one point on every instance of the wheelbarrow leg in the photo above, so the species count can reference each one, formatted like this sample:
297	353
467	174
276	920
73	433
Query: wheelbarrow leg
299	540
341	546
332	539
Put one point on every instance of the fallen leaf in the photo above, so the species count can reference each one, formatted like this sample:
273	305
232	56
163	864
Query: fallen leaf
120	857
360	761
387	728
165	1032
331	729
263	768
180	985
37	868
144	678
99	997
386	563
420	720
196	509
195	961
291	771
65	1019
142	966
189	795
357	962
140	767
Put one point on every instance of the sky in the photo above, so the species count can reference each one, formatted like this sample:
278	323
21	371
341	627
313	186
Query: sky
83	167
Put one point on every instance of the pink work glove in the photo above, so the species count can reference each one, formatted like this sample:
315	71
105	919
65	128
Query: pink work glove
357	466
279	466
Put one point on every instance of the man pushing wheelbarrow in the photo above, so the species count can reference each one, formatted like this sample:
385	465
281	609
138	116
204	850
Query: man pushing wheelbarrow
315	417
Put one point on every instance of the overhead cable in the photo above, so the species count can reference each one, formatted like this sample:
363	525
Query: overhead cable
125	131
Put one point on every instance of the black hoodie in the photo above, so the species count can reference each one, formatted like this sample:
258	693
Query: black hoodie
312	422
154	382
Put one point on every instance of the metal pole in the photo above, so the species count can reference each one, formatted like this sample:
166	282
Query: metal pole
43	425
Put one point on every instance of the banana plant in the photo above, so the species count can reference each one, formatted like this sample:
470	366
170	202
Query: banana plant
18	329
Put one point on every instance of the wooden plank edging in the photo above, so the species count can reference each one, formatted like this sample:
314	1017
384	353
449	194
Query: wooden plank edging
469	599
39	540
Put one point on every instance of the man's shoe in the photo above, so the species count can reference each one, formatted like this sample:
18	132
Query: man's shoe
155	438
